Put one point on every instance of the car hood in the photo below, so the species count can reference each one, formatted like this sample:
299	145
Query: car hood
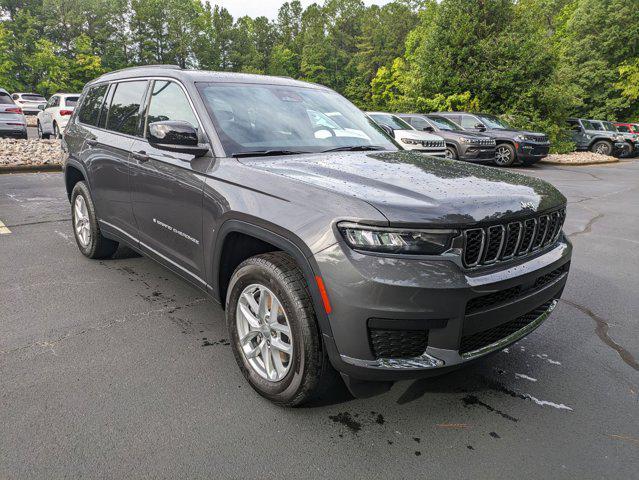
416	135
414	189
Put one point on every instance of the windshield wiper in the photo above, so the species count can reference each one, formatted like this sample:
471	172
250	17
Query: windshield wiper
354	148
266	153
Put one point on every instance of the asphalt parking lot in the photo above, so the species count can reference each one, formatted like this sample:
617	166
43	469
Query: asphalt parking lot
119	369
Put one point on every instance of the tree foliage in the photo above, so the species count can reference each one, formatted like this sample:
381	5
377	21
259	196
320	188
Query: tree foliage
535	61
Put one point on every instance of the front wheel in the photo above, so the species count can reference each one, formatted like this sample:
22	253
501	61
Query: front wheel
504	155
451	152
602	147
274	333
86	230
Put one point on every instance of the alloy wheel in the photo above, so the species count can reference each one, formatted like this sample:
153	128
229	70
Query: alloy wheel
81	221
502	156
264	332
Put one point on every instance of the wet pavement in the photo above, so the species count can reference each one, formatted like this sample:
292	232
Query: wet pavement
118	368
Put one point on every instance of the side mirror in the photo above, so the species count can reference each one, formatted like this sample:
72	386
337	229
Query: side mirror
176	136
428	129
389	131
41	107
481	127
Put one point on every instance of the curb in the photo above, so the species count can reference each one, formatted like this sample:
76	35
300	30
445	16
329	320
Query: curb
46	167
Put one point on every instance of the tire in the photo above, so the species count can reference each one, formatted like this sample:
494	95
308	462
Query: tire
307	367
56	131
94	245
41	134
504	155
602	147
451	153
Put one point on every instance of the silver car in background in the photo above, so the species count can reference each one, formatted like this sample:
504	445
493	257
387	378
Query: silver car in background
29	102
12	121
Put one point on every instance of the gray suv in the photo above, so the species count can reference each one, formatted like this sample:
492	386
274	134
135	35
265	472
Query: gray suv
329	250
595	138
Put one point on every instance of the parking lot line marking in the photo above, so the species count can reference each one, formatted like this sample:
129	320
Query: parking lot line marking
4	230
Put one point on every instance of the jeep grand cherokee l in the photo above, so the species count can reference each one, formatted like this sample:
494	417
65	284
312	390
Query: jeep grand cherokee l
326	251
513	145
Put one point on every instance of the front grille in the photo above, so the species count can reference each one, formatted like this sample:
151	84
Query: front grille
538	138
486	245
487	142
476	341
434	143
397	343
486	301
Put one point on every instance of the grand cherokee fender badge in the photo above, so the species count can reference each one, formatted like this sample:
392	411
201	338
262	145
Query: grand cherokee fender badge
176	231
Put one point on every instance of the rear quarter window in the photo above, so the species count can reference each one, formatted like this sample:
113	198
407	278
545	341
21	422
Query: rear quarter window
71	101
90	109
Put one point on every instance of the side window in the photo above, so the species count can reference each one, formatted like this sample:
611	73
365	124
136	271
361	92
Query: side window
55	101
15	96
90	107
468	121
169	102
418	123
574	126
124	111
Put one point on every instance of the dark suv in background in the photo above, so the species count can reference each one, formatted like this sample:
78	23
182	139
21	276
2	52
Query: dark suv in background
460	144
513	146
327	249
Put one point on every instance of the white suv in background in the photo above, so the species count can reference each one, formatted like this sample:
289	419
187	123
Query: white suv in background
29	102
53	118
409	137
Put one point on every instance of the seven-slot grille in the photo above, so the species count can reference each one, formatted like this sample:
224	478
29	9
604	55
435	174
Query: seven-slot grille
538	138
486	245
486	142
434	143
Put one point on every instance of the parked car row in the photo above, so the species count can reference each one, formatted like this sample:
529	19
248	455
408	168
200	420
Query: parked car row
474	137
605	138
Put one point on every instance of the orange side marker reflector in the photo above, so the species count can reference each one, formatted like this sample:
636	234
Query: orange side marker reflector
322	290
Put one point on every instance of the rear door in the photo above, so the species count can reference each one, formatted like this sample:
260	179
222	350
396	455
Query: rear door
106	152
167	188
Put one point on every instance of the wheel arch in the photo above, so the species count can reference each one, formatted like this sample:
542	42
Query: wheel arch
238	240
74	173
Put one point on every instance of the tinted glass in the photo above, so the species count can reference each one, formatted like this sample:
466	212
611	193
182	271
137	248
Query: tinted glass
468	121
597	125
168	102
587	125
33	98
444	124
493	122
418	123
391	121
610	127
71	101
90	108
5	98
123	114
623	128
258	117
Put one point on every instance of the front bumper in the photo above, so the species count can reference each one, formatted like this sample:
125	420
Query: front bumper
436	296
527	151
476	153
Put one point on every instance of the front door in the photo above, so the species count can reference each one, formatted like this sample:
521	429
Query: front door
167	188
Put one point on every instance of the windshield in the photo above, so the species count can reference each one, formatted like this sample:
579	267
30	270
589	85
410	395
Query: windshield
391	121
610	127
71	101
264	118
492	121
444	124
33	98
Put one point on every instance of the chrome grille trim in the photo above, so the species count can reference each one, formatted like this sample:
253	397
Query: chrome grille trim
493	243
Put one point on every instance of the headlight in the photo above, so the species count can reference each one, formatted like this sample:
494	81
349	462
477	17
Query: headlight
396	240
468	140
523	138
411	141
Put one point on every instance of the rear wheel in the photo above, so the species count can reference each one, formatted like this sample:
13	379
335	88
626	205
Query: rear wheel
86	230
274	333
56	131
504	155
41	133
602	147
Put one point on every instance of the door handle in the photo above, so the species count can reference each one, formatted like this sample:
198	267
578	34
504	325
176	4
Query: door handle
141	156
92	142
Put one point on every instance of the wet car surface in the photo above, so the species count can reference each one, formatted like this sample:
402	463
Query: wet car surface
119	366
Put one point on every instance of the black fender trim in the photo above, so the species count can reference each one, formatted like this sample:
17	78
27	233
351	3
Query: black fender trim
72	162
306	263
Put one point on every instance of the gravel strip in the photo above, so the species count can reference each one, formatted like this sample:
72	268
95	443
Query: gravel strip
14	152
578	158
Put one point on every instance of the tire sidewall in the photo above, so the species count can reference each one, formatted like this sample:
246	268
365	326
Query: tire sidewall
285	389
602	142
82	189
453	153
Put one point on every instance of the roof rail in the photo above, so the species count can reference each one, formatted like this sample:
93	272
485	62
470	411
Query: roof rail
170	67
